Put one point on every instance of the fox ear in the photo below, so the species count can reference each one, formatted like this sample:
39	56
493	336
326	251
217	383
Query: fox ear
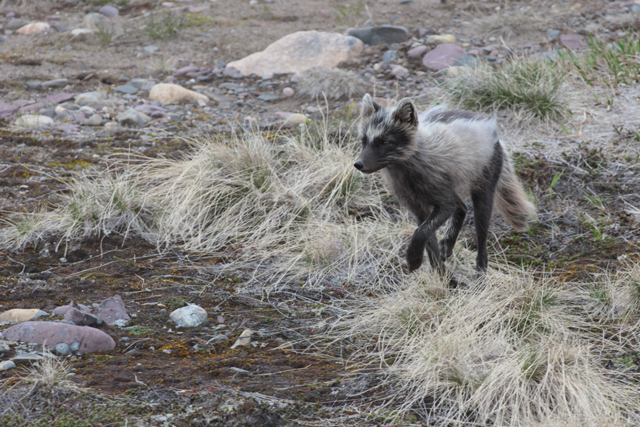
369	106
405	113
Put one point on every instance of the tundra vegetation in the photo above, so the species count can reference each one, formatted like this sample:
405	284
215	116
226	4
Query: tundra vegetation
550	337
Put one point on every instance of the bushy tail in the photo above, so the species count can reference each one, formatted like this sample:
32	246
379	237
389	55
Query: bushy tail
512	202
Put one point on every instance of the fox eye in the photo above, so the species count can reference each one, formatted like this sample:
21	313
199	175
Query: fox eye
385	142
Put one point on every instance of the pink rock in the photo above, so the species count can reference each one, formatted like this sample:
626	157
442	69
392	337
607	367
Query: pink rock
287	91
68	127
57	98
442	56
32	108
474	52
11	14
62	310
81	318
399	71
80	339
573	41
494	53
417	51
112	309
299	51
422	32
21	103
185	70
367	51
34	28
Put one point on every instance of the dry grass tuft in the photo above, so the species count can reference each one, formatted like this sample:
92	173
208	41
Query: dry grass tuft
536	87
332	83
283	205
515	351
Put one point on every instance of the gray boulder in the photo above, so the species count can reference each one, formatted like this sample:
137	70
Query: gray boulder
189	316
80	339
380	35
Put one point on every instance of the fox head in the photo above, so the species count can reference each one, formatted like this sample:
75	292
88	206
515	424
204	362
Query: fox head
387	136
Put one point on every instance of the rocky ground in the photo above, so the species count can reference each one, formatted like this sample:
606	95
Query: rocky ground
83	81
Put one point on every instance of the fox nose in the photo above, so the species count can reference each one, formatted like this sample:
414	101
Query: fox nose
358	165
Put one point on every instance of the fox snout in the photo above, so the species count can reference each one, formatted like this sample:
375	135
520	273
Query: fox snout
358	165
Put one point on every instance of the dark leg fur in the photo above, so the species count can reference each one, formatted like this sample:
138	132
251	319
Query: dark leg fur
483	206
425	236
449	240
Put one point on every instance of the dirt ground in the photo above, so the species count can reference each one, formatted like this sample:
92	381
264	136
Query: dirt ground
174	369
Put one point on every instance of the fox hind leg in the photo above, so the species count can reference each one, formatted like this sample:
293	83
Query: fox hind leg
483	206
449	240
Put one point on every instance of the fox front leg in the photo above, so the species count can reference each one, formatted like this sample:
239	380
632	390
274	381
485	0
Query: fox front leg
425	236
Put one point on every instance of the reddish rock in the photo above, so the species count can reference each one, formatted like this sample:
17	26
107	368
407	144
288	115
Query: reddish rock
573	41
62	310
82	318
57	98
417	51
185	70
443	56
31	108
80	339
112	309
34	28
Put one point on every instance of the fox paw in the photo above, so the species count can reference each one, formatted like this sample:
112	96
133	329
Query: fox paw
414	259
445	250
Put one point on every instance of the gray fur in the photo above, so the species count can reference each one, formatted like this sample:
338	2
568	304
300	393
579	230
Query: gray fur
431	163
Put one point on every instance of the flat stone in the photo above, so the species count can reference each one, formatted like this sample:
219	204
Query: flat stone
441	38
380	35
57	83
399	71
81	32
79	317
244	339
57	98
92	99
109	11
298	51
390	56
112	309
466	61
18	315
62	310
417	51
150	109
166	93
33	121
34	85
6	365
31	108
16	23
184	70
81	339
553	34
150	49
126	89
442	56
189	316
142	84
573	41
267	97
232	72
68	127
26	358
34	28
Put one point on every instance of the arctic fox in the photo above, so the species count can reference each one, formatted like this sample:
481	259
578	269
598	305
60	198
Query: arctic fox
431	163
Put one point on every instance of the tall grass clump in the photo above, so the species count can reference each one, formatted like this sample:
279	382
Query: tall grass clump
535	87
286	207
514	351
